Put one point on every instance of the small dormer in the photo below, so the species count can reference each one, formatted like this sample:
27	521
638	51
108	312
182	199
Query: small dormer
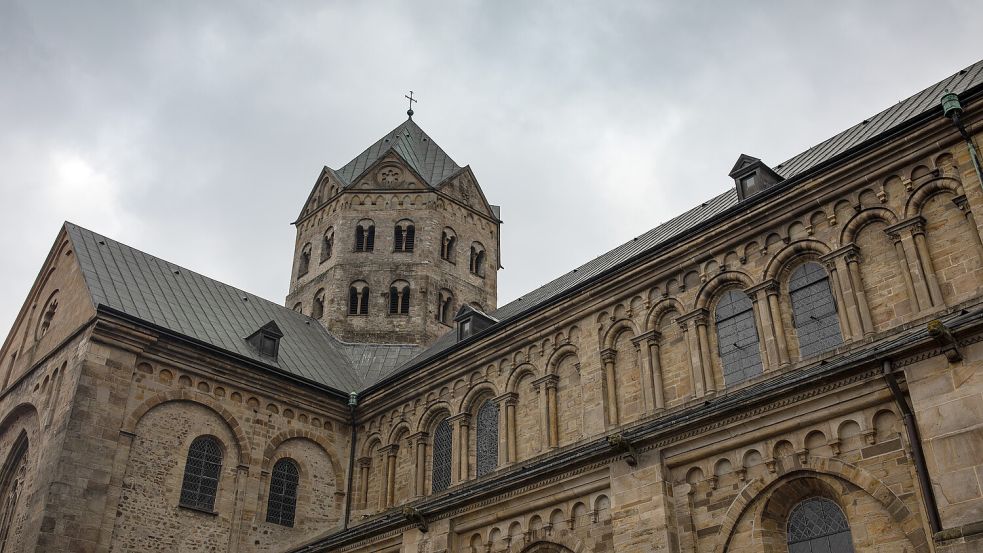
266	340
471	321
751	176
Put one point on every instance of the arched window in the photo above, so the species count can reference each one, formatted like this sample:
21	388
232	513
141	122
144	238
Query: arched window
399	298
441	469
445	307
737	338
11	486
447	242
358	298
404	235
201	473
317	309
304	263
283	493
365	236
477	264
818	524
327	244
486	439
299	307
47	315
813	310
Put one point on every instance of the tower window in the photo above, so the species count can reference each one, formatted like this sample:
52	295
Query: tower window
304	264
445	307
404	236
317	310
201	474
365	236
477	264
327	245
358	298
447	242
399	298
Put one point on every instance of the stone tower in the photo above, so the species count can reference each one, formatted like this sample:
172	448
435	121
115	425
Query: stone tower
393	243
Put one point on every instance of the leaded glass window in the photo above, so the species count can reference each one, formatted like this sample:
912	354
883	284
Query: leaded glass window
737	338
813	310
283	493
487	438
201	473
441	477
817	525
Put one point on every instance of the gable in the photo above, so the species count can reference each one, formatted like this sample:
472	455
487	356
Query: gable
464	188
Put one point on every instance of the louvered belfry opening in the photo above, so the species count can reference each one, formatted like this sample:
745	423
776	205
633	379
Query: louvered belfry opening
813	310
404	236
364	237
358	299
737	338
399	298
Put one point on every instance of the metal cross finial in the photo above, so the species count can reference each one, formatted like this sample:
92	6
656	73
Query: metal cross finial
411	99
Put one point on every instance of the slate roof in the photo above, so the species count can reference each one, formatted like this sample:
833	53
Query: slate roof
171	297
926	100
412	144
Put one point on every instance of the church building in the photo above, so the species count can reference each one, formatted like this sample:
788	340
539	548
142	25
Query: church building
792	366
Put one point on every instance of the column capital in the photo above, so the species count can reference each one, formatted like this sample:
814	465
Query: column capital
648	338
548	381
608	355
769	287
914	225
463	419
849	252
698	316
418	438
508	398
364	462
961	202
390	450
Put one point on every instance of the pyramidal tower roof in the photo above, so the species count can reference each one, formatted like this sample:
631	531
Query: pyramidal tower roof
414	146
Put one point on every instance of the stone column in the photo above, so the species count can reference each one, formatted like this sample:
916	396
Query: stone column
917	230
691	335
456	448
390	474
852	258
963	204
684	328
764	324
465	424
917	291
701	322
778	326
364	466
242	477
513	441
503	428
652	370
544	416
648	392
550	382
608	357
420	472
846	283
841	309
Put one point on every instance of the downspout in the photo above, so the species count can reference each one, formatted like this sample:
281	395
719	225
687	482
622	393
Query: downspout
352	404
917	454
953	109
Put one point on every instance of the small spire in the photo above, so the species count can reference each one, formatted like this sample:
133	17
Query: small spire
411	99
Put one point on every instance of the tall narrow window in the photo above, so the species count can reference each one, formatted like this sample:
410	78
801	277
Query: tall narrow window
737	338
327	244
358	298
201	473
445	307
399	298
11	487
447	242
404	235
818	524
365	236
486	440
304	263
317	309
813	310
283	493
477	264
441	469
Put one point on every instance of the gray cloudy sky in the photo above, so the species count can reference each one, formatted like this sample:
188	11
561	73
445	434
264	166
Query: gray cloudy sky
195	130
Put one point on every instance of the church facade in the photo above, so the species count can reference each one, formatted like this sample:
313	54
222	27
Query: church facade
795	365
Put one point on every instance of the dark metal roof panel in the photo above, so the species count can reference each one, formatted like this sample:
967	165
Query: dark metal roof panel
163	294
412	144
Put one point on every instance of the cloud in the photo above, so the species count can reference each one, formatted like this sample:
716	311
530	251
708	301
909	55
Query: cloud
194	131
